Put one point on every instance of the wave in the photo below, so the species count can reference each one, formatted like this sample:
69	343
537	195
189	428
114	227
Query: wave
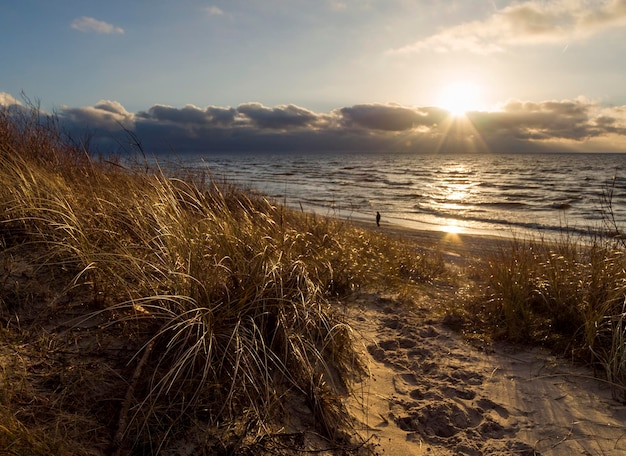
411	196
392	183
504	204
512	190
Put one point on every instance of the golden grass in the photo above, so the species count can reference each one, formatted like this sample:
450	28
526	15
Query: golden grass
566	294
146	309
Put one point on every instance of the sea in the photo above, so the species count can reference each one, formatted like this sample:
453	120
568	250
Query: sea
501	194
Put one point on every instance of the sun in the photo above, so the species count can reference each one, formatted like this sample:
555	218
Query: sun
461	97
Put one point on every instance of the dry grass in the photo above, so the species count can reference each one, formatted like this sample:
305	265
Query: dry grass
566	294
140	310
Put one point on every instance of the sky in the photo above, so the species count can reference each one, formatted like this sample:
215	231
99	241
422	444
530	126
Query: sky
408	75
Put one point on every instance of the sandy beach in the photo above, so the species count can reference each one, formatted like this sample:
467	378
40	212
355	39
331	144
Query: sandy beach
431	392
455	247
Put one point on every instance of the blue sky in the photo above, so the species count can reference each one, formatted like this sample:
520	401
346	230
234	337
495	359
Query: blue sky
533	74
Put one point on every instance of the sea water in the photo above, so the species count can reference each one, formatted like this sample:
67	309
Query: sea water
473	193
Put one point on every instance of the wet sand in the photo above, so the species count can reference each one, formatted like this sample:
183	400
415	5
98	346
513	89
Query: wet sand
456	247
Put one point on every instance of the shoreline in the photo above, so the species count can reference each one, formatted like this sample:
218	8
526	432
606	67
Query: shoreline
452	226
458	248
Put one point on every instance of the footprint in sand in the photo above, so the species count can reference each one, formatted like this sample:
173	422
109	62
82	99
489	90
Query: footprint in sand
440	419
435	400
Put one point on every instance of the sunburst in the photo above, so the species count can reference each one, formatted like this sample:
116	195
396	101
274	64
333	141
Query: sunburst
461	97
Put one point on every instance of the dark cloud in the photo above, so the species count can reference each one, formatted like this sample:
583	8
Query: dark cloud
221	116
518	126
549	120
390	117
280	117
190	115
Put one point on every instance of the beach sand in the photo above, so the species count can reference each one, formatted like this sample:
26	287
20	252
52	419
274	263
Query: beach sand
429	392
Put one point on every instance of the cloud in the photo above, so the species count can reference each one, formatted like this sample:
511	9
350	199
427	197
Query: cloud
390	117
278	118
9	105
214	11
249	115
106	115
89	24
6	99
552	121
190	115
337	5
518	125
526	23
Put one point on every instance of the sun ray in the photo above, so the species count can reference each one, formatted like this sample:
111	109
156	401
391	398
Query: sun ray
459	134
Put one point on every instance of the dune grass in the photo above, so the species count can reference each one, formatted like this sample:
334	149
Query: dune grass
566	294
141	310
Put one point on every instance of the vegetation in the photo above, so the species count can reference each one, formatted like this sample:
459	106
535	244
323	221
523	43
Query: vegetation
140	311
566	294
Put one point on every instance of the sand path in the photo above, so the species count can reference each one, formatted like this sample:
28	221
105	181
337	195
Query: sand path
430	392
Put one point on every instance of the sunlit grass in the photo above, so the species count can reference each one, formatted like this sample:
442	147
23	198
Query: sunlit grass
149	308
566	294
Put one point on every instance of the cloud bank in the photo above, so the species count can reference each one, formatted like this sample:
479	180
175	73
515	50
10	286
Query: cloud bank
526	23
519	126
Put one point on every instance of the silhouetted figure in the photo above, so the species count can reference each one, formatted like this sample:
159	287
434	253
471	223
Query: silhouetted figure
377	218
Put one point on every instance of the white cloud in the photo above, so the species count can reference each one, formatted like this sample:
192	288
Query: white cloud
526	23
6	99
114	107
106	114
89	24
214	11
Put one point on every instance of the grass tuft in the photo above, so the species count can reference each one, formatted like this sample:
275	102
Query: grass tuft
149	308
566	294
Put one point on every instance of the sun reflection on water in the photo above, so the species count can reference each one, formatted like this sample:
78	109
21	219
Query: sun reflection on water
457	194
452	229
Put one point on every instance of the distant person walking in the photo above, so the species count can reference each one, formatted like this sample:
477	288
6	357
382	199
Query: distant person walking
377	218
